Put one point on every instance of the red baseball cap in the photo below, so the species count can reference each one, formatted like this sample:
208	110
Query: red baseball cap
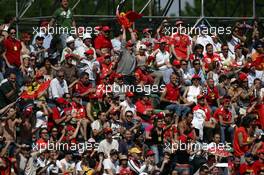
44	23
176	63
61	100
196	76
106	28
129	44
129	94
89	52
150	153
108	130
237	47
242	76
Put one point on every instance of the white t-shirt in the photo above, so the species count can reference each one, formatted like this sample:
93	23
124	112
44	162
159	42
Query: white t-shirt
161	58
54	168
68	165
204	40
108	164
56	89
106	147
128	107
41	119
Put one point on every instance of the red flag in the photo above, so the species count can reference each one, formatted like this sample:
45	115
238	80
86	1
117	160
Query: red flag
36	92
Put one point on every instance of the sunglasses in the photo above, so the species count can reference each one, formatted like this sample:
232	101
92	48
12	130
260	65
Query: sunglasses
184	64
13	33
196	63
61	76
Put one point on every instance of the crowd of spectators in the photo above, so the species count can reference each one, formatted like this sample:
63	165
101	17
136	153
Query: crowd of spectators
124	102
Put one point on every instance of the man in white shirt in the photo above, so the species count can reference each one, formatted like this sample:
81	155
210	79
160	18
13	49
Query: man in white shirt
67	165
86	45
163	61
45	33
108	143
58	86
203	38
111	165
127	105
91	66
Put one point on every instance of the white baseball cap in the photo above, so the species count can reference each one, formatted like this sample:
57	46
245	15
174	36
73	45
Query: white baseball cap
70	39
87	35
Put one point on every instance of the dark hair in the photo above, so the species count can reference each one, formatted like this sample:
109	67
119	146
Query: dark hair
196	60
83	74
11	28
222	78
198	46
207	45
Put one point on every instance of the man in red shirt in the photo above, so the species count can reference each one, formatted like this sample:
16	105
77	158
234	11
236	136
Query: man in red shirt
212	95
210	57
224	116
102	42
248	166
144	106
12	50
180	43
259	164
171	97
84	87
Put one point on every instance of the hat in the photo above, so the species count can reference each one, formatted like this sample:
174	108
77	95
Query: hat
86	36
237	47
123	157
134	150
202	26
147	44
200	96
25	56
160	115
176	63
196	76
233	80
143	47
61	100
108	130
106	28
40	37
248	154
242	76
89	52
129	94
67	56
129	44
91	140
70	39
179	22
150	153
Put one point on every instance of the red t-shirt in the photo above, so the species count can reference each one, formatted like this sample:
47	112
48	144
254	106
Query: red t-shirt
181	43
212	96
209	59
168	41
246	168
141	107
257	166
13	48
239	151
79	109
172	92
102	42
226	115
81	88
